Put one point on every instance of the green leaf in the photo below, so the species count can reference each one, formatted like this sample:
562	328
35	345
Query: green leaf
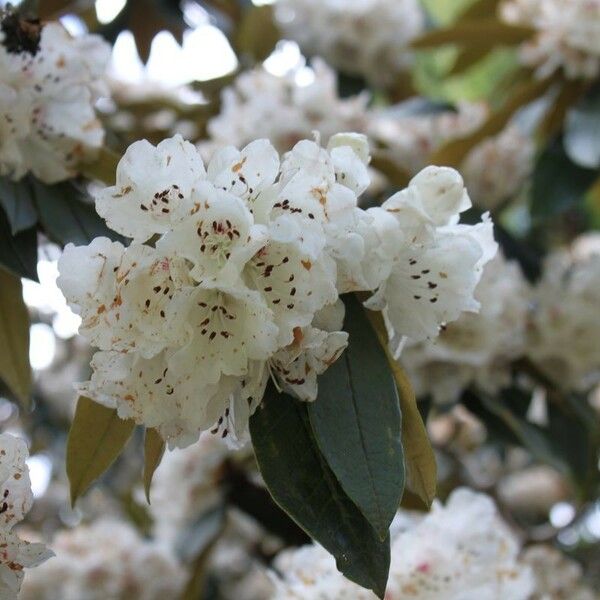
582	132
357	423
18	253
154	448
419	458
97	437
300	481
558	184
481	9
483	33
14	338
15	198
67	216
257	33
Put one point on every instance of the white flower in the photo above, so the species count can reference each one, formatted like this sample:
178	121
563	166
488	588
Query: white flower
16	501
107	559
478	347
567	38
49	82
439	262
556	576
313	350
457	552
564	327
364	37
153	190
259	104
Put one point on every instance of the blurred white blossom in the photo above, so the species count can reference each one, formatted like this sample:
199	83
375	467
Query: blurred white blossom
365	37
107	559
49	82
283	109
567	35
564	328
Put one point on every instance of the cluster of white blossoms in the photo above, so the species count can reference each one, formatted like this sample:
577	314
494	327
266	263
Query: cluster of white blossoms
235	271
567	35
556	576
364	37
478	348
49	82
107	559
564	327
284	110
495	170
458	551
16	501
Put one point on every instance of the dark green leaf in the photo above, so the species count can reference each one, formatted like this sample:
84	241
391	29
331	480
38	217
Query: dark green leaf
14	338
301	482
97	437
154	448
18	253
15	198
582	132
67	215
558	184
357	423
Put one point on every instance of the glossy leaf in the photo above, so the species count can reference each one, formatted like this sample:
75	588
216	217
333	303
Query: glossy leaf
301	482
67	215
154	448
419	457
97	437
18	253
16	200
357	423
14	338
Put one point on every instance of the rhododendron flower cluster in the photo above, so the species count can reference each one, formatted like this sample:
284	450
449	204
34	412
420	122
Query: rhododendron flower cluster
366	37
564	327
457	551
568	35
49	82
107	559
17	499
280	108
235	270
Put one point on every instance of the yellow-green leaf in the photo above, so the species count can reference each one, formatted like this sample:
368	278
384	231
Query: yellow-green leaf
453	153
97	437
481	9
467	58
103	168
257	33
14	338
483	33
421	468
154	448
